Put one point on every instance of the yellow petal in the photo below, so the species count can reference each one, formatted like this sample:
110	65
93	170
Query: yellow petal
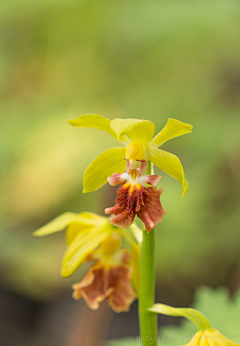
170	164
173	128
93	120
138	130
94	217
109	162
61	222
73	230
84	243
193	315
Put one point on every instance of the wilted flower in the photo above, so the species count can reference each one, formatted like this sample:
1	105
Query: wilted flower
108	278
127	131
91	237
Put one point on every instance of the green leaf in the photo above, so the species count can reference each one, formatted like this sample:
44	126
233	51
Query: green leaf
83	244
170	164
93	120
138	130
109	162
173	128
61	222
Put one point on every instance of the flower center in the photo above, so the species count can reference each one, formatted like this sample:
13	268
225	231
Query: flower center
135	152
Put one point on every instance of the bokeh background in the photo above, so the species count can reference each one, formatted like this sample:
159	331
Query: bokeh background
141	59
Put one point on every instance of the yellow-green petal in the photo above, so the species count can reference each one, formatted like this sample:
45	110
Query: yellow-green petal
137	232
109	162
94	217
173	128
193	315
84	243
61	222
170	164
92	220
135	257
137	130
135	263
93	120
73	230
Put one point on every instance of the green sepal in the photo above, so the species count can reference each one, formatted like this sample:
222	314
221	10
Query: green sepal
81	246
93	120
172	129
61	222
193	315
109	162
137	130
170	164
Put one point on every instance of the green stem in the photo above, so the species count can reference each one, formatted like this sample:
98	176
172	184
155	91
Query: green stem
148	320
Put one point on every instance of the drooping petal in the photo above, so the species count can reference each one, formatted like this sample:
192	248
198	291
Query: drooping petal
61	222
121	219
91	219
138	130
128	202
122	294
73	230
173	128
136	199
111	281
170	164
107	163
93	120
93	287
117	178
83	244
152	212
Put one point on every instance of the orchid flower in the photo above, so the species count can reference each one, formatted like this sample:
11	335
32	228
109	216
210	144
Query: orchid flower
91	237
108	278
139	132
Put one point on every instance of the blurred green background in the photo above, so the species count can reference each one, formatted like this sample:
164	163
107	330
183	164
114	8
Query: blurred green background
140	59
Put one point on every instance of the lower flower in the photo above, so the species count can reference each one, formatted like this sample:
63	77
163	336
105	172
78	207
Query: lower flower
210	337
206	336
110	278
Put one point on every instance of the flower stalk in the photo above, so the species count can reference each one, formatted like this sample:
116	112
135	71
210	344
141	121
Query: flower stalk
147	319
